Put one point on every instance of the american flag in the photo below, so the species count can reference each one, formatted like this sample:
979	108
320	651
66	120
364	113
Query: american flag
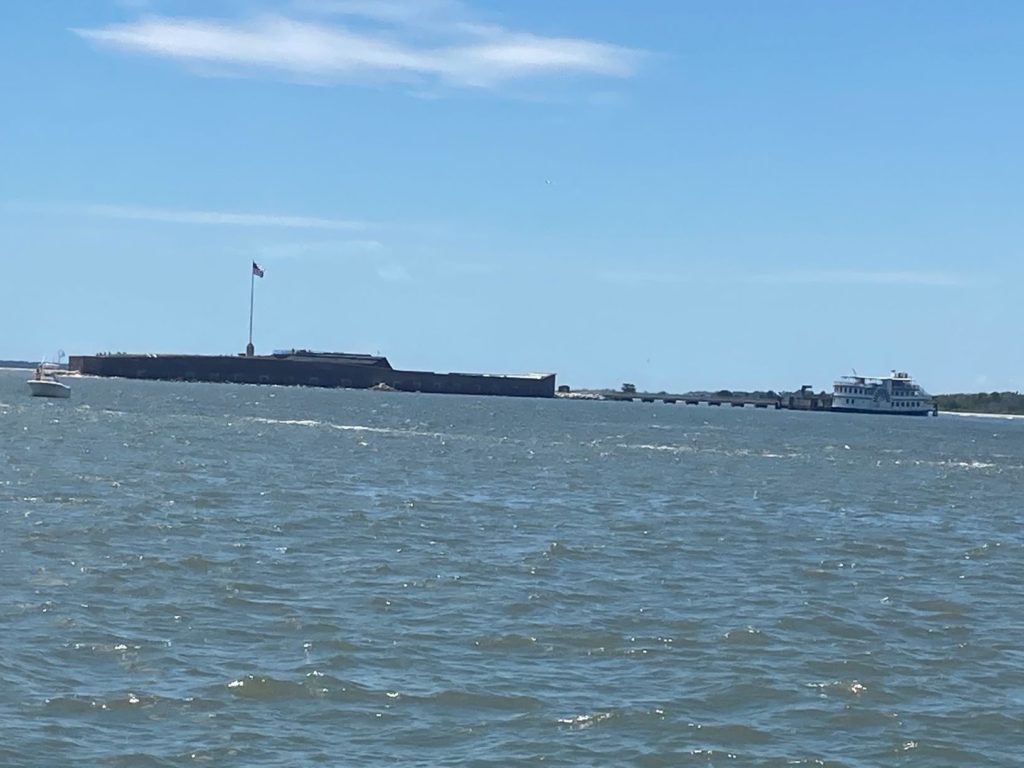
257	269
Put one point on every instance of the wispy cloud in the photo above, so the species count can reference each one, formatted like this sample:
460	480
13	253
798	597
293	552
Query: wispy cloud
639	277
349	40
854	277
810	277
470	268
222	218
408	12
393	273
327	250
373	253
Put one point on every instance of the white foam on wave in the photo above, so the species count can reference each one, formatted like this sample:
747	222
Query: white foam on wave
969	464
345	427
584	720
740	452
965	414
288	422
658	447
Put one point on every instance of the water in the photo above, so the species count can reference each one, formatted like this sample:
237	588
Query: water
243	576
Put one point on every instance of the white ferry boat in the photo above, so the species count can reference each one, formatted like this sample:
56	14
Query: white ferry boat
894	394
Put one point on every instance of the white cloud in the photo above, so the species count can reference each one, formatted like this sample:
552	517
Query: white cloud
169	216
422	42
853	277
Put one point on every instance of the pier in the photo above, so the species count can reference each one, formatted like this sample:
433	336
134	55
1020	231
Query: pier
804	400
732	401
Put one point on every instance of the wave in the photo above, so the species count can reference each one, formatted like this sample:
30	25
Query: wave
345	427
587	720
658	447
740	452
965	414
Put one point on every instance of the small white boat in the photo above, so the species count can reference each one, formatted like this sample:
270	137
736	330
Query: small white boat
46	384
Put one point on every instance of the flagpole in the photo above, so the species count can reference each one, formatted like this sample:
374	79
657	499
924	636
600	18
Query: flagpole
252	293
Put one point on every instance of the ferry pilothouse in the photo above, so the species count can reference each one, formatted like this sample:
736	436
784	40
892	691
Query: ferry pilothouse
895	394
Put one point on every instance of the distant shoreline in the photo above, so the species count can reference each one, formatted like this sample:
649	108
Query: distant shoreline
982	403
996	405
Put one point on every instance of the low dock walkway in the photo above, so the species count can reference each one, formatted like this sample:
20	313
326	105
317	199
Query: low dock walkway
734	401
804	400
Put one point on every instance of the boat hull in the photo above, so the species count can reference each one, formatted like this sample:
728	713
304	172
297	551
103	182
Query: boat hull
49	389
879	412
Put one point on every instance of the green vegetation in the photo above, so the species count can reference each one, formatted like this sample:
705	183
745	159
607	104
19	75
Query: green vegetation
983	402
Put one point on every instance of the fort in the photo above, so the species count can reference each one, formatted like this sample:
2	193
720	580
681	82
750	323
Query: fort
310	369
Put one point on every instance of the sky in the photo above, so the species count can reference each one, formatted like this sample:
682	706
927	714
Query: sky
679	194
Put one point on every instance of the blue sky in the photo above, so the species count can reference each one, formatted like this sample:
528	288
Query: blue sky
676	194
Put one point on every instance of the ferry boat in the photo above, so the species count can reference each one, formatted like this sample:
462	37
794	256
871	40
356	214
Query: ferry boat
894	394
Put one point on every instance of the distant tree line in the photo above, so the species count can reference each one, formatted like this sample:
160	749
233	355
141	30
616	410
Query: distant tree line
982	402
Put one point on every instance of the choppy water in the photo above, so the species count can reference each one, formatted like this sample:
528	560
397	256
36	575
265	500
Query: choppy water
242	576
